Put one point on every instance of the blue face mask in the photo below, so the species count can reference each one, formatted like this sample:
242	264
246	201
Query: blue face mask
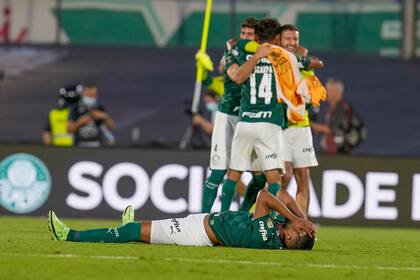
88	101
212	107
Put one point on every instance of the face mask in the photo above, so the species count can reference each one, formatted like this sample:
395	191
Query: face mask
212	107
88	101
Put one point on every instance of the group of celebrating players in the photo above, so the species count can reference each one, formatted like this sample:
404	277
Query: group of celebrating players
254	130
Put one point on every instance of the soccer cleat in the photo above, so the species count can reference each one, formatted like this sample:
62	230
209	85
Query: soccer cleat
128	215
59	230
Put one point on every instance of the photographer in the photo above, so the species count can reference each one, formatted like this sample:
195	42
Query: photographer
211	101
89	122
341	127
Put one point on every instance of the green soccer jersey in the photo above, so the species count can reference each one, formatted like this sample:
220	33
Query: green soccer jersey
259	92
239	229
231	100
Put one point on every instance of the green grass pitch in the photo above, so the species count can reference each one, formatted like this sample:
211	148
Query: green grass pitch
27	252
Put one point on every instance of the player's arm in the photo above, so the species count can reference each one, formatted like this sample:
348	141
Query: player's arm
290	203
266	202
310	62
248	45
240	74
301	51
214	84
316	63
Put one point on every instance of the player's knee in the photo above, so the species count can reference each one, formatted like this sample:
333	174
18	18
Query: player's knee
285	179
234	175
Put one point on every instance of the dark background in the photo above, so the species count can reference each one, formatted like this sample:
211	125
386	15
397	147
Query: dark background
147	88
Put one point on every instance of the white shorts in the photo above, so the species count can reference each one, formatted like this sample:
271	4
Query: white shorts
257	140
298	147
188	231
221	140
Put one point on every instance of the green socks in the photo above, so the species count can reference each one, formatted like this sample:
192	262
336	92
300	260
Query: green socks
127	233
228	190
255	185
273	188
210	189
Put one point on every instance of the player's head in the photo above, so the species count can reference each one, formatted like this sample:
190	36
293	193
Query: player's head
335	90
293	241
266	30
289	37
248	28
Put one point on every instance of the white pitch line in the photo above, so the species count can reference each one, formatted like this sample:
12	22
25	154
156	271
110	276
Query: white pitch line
221	261
313	265
69	256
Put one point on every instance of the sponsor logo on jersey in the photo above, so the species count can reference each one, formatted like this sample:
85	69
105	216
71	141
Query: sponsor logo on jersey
263	231
259	115
272	156
215	159
307	150
25	183
175	226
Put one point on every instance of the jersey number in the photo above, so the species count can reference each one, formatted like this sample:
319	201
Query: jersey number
264	90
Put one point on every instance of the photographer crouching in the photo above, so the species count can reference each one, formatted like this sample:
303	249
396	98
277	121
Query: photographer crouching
89	122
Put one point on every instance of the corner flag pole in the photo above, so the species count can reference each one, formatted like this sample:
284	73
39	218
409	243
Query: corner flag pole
199	77
200	70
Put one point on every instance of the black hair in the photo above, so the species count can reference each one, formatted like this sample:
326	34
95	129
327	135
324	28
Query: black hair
267	29
250	22
306	242
89	85
211	94
289	27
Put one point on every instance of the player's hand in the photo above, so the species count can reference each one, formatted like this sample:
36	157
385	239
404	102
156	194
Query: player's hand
98	115
203	60
301	226
302	51
230	44
263	50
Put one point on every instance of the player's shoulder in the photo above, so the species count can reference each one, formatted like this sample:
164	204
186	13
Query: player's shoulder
235	52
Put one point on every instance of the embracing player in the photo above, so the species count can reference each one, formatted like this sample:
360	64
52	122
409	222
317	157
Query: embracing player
298	144
258	133
299	153
224	125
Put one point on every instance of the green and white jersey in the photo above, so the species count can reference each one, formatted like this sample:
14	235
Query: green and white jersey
239	229
259	93
231	101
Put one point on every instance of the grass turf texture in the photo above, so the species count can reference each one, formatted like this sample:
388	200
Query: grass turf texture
27	252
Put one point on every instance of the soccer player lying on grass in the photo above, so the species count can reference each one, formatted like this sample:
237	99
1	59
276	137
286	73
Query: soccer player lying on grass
230	229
